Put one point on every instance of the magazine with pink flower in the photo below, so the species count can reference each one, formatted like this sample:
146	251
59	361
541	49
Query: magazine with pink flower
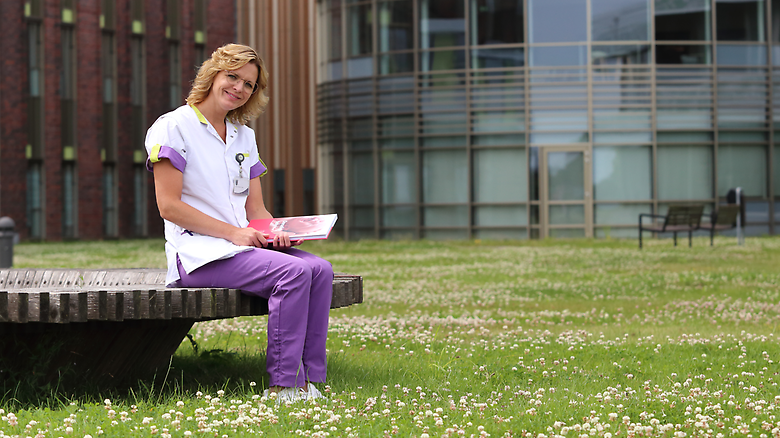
315	227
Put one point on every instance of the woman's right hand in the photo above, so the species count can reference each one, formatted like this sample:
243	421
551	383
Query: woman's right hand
249	237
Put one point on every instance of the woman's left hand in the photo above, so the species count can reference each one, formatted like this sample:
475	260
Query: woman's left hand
282	240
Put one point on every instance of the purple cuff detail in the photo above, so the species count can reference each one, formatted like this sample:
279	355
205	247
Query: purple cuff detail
257	170
167	152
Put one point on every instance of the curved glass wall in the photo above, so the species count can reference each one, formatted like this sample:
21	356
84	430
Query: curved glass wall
542	118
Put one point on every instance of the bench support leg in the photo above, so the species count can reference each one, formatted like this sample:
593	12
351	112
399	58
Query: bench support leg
102	353
675	238
690	239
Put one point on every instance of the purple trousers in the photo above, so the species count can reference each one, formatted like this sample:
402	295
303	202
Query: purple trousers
299	288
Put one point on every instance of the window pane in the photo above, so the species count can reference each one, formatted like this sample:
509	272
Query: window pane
683	54
558	56
740	54
398	177
557	21
443	123
362	217
620	55
396	143
396	63
740	20
620	20
567	233
776	168
362	179
334	24
620	214
497	58
567	214
395	26
442	60
497	22
500	175
684	137
776	20
742	166
335	70
559	138
684	172
445	234
499	121
558	119
622	137
490	234
621	118
445	176
402	216
396	125
442	142
756	212
501	215
681	118
498	140
455	216
442	23
360	67
682	20
566	181
359	30
741	136
360	128
622	173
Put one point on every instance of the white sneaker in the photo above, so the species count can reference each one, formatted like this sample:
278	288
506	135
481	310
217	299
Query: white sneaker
314	393
286	395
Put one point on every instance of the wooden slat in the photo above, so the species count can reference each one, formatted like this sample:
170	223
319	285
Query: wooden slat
37	278
59	307
78	306
3	277
17	307
97	305
46	278
4	306
10	282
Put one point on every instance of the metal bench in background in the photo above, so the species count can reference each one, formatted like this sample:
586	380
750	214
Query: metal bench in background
725	218
110	325
679	218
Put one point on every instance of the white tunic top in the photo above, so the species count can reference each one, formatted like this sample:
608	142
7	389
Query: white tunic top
208	167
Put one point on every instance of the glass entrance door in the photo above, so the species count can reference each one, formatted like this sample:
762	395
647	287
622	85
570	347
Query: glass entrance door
567	207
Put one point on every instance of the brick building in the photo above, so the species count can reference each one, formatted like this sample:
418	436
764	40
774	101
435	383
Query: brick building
82	81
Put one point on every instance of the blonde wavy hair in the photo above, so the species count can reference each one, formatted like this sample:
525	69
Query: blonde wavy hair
231	57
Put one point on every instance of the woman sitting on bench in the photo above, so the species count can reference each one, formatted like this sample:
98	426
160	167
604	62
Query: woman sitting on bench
207	181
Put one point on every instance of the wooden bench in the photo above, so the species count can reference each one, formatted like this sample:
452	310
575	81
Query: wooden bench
679	218
110	325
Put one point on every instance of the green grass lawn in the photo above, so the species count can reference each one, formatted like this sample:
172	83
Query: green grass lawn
568	338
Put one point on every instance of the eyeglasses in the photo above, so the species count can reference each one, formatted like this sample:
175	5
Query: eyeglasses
233	79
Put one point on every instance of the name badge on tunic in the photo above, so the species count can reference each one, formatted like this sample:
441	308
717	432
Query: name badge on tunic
241	183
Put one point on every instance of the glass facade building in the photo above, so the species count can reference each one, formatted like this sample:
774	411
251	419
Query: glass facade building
521	119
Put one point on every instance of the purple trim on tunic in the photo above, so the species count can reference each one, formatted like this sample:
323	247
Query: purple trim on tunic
170	153
257	170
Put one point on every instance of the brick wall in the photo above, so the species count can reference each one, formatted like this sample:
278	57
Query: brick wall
13	112
13	105
89	104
